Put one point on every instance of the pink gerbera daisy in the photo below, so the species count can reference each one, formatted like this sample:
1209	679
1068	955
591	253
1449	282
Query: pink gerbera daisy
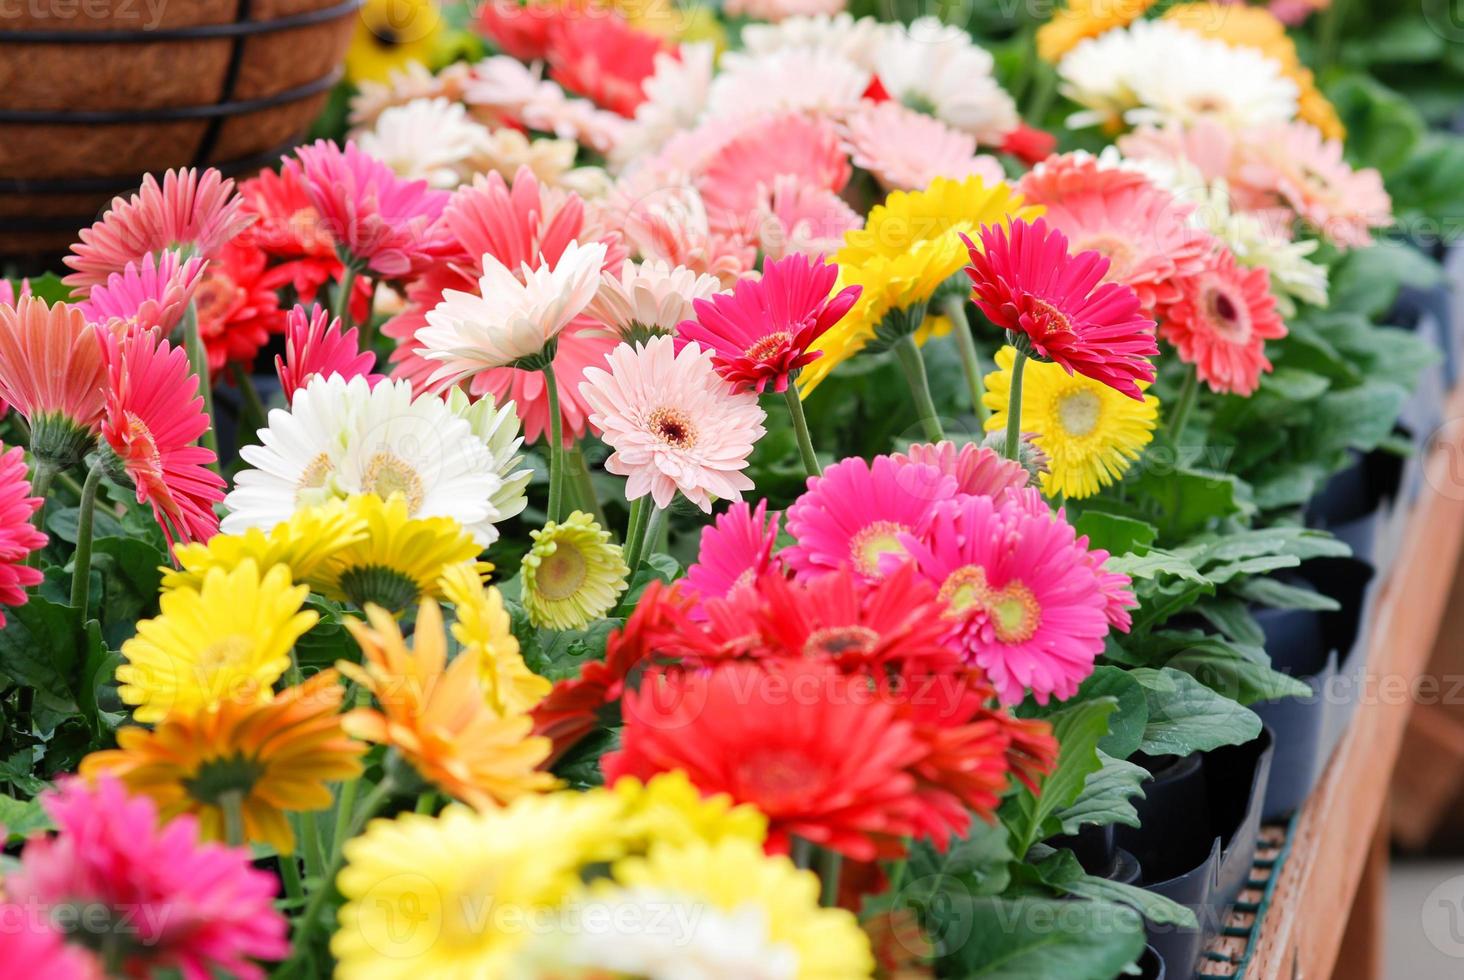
52	372
906	150
316	347
188	210
857	512
9	295
1143	230
673	423
1022	595
789	144
1221	321
793	216
382	222
735	550
669	222
1304	172
604	59
1026	282
517	223
648	298
17	537
152	292
976	468
761	332
34	950
154	417
177	904
1206	144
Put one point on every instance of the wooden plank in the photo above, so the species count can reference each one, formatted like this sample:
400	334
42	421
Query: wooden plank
1361	956
1302	932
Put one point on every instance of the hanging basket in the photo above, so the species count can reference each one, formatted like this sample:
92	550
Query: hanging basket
91	102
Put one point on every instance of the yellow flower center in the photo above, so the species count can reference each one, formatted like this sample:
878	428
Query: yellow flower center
673	427
218	665
387	474
1012	610
876	540
1078	412
312	480
769	345
1117	251
561	574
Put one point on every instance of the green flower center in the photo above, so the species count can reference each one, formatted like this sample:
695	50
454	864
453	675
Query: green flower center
386	587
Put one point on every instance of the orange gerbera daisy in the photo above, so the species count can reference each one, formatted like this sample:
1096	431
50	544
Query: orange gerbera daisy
277	755
436	715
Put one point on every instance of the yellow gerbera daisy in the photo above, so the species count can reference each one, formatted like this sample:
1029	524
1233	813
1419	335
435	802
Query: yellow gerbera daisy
908	250
670	810
310	537
456	895
1258	28
399	559
573	574
1082	19
483	628
230	639
391	34
1090	433
275	756
436	715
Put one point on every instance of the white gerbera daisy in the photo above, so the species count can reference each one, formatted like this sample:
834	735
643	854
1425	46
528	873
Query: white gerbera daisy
800	79
1294	277
855	40
1156	72
511	320
937	69
425	139
345	437
676	94
497	427
652	297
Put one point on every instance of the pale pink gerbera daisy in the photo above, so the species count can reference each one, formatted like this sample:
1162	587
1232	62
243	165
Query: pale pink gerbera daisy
855	514
17	537
1026	282
813	80
1143	231
190	210
976	468
674	425
1022	594
316	347
52	372
1304	172
1205	144
735	551
906	150
154	418
769	147
382	222
1221	321
761	332
668	221
153	292
648	298
518	223
794	217
195	908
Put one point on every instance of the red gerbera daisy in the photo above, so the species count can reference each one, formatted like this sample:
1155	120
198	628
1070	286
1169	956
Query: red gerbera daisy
237	309
807	745
520	29
604	59
1026	282
761	331
1221	321
154	416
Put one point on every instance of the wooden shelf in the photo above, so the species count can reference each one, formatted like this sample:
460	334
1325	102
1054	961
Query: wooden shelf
1341	830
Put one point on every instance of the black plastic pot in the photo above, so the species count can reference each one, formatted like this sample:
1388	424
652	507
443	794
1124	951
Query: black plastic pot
1093	847
1125	869
1174	832
1355	584
1238	775
1151	965
1177	947
1350	504
228	409
1300	728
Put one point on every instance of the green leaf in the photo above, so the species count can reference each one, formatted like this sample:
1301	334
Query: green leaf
1185	716
1155	564
1367	280
1063	872
1241	672
1115	534
50	288
1078	728
1042	939
977	864
1126	724
21	818
1106	796
43	646
1189	499
1382	128
1231	617
1267	591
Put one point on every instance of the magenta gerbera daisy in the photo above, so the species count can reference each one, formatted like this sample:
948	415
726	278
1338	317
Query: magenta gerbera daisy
382	222
192	210
976	468
316	347
175	904
151	292
1023	597
17	537
153	420
857	512
1025	281
673	423
761	332
735	550
1220	323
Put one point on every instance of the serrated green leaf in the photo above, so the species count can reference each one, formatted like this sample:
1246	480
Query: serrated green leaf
1106	797
1062	871
1078	729
1185	716
1041	939
1276	594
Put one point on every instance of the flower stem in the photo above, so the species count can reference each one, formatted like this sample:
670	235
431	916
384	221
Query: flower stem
955	310
1183	405
40	486
310	844
232	803
914	367
800	429
801	852
81	561
198	361
645	535
556	445
830	863
342	310
584	487
1014	408
253	417
636	524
